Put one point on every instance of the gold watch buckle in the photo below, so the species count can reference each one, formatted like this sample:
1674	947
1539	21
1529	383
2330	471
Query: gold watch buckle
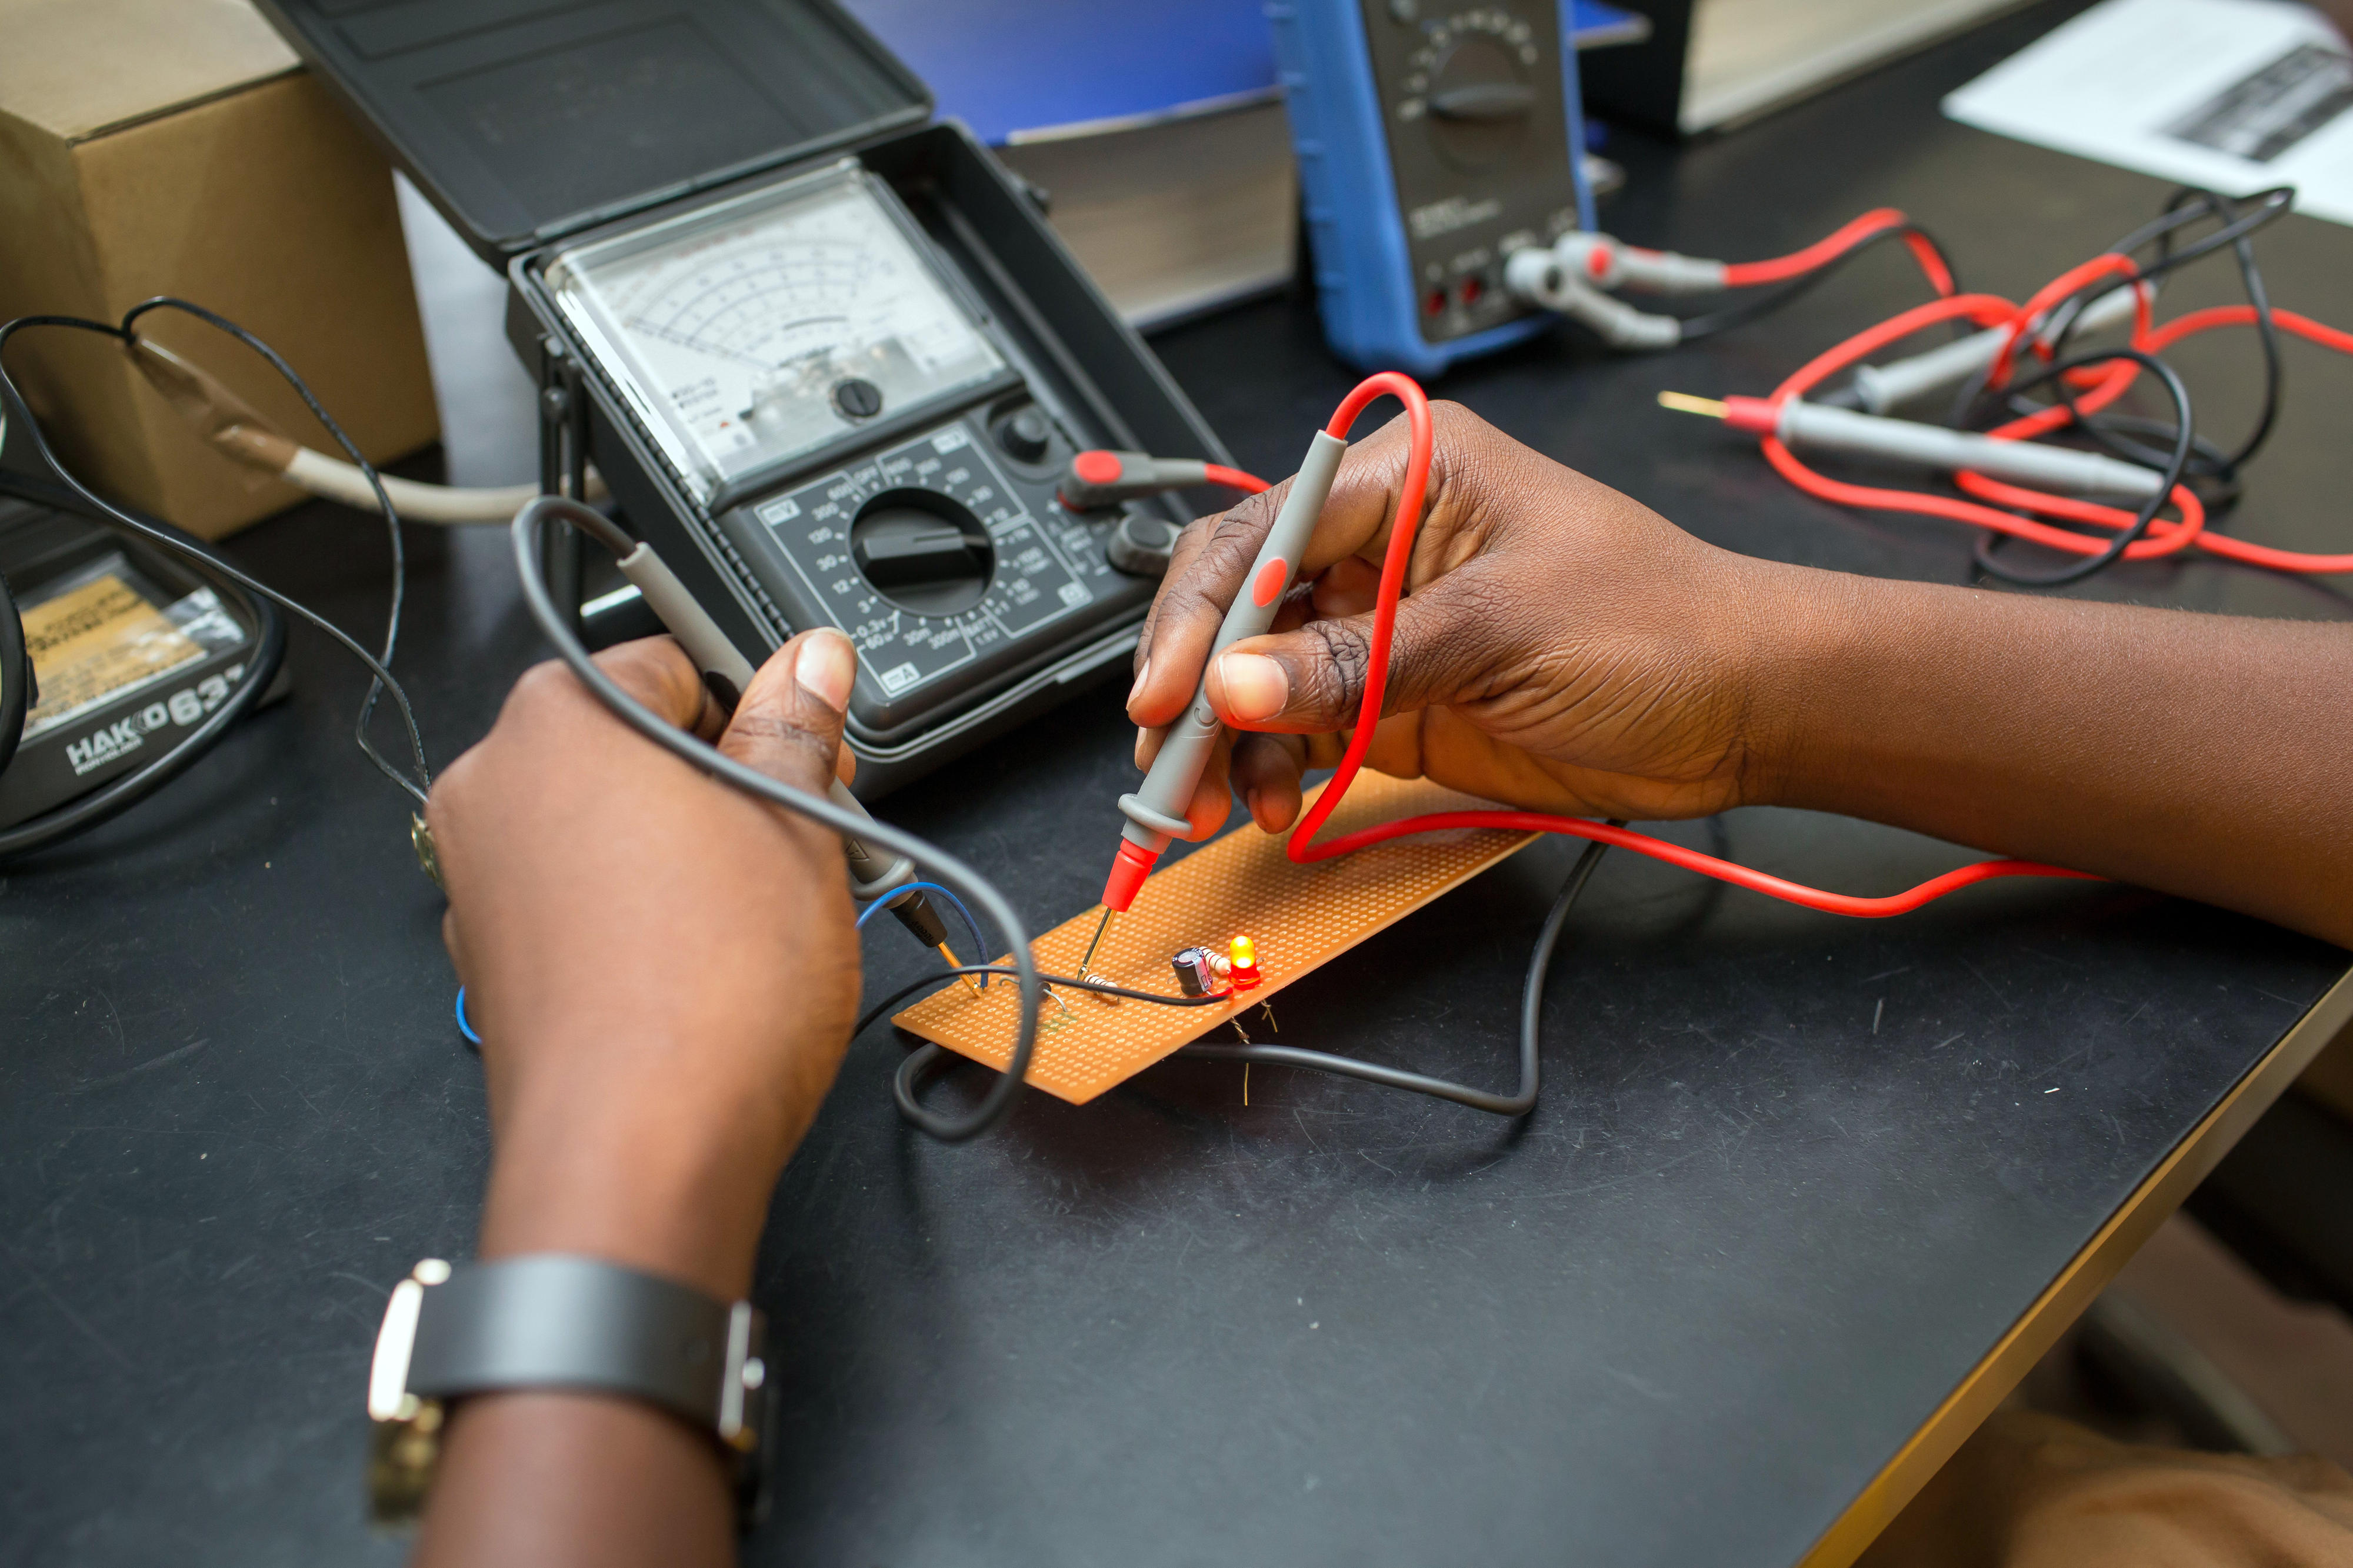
404	1443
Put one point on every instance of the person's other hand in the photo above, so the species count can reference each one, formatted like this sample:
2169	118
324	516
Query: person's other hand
1560	647
663	970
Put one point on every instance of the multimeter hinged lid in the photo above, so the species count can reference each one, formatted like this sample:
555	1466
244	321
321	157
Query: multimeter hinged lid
525	120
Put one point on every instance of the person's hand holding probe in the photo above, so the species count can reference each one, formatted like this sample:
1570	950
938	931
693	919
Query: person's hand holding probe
1564	648
1560	647
664	974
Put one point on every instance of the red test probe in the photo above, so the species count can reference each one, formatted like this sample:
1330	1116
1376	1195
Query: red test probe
1264	588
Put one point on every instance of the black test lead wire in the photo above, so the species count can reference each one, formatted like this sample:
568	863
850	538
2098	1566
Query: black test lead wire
2183	434
268	634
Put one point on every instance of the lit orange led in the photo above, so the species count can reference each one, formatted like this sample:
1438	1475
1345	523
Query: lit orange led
1243	955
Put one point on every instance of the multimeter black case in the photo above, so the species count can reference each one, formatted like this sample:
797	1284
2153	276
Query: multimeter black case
537	126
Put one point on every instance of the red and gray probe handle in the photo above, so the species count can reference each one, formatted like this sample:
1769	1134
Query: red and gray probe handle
1878	388
1817	428
1155	813
728	674
1537	276
1607	262
1103	478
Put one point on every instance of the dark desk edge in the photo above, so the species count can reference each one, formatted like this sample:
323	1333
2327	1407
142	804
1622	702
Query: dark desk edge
2085	1276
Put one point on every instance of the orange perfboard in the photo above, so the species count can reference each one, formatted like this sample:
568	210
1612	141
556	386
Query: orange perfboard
1299	916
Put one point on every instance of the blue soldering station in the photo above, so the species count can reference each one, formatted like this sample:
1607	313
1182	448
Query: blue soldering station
1433	140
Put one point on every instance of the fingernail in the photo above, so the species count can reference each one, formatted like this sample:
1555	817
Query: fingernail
826	668
1140	676
1256	686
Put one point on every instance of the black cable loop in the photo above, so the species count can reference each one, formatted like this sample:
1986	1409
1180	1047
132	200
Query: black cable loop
2188	206
2148	511
172	540
2271	205
382	500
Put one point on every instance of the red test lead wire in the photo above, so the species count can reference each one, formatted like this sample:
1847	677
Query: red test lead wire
2009	503
1234	478
1822	252
1303	850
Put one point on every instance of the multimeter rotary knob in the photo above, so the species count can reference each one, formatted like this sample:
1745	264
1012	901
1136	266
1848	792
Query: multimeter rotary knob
924	551
1478	102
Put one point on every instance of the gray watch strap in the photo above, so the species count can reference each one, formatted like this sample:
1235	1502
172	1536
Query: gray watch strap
553	1321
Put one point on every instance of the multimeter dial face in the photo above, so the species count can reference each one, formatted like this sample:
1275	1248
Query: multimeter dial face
760	330
1469	86
1478	142
929	559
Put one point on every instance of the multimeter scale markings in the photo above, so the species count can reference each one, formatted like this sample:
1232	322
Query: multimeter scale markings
766	328
928	559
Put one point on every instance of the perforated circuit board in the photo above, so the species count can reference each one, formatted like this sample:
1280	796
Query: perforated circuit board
1299	916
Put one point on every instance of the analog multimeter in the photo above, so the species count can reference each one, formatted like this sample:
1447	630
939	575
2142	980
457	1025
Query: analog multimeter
825	351
877	455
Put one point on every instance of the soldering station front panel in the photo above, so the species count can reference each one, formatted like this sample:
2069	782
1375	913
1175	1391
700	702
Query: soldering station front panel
834	382
1471	101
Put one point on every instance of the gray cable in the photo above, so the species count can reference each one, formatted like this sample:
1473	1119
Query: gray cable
1531	1015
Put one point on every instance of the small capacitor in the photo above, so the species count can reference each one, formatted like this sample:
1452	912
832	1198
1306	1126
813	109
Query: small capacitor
1195	976
1242	962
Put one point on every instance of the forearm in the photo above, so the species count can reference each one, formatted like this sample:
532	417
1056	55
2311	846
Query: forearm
2200	755
530	1478
644	1177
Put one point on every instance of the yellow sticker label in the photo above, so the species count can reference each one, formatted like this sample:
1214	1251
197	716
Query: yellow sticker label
91	642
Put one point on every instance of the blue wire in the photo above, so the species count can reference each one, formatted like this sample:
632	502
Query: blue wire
465	1028
979	948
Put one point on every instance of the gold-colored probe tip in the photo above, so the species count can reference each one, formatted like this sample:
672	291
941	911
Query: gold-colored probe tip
1103	925
975	980
1684	402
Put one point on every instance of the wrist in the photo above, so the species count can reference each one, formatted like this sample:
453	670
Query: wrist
1808	652
658	1175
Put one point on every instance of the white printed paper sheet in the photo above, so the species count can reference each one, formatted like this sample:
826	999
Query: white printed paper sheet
2236	96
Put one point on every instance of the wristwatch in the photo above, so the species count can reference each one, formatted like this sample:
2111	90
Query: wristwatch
553	1321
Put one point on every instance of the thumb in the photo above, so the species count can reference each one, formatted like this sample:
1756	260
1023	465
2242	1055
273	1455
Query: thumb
1311	682
789	724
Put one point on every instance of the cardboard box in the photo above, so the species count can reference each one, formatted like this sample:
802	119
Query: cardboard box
176	147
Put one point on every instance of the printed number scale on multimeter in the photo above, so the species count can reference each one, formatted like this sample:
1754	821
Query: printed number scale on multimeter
757	338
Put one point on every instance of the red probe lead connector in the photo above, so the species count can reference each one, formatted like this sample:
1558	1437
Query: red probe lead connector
1129	868
1101	477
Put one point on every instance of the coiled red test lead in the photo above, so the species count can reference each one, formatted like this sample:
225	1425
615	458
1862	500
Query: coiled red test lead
1128	872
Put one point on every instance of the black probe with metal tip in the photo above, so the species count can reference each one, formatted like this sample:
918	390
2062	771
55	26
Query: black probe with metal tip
726	674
